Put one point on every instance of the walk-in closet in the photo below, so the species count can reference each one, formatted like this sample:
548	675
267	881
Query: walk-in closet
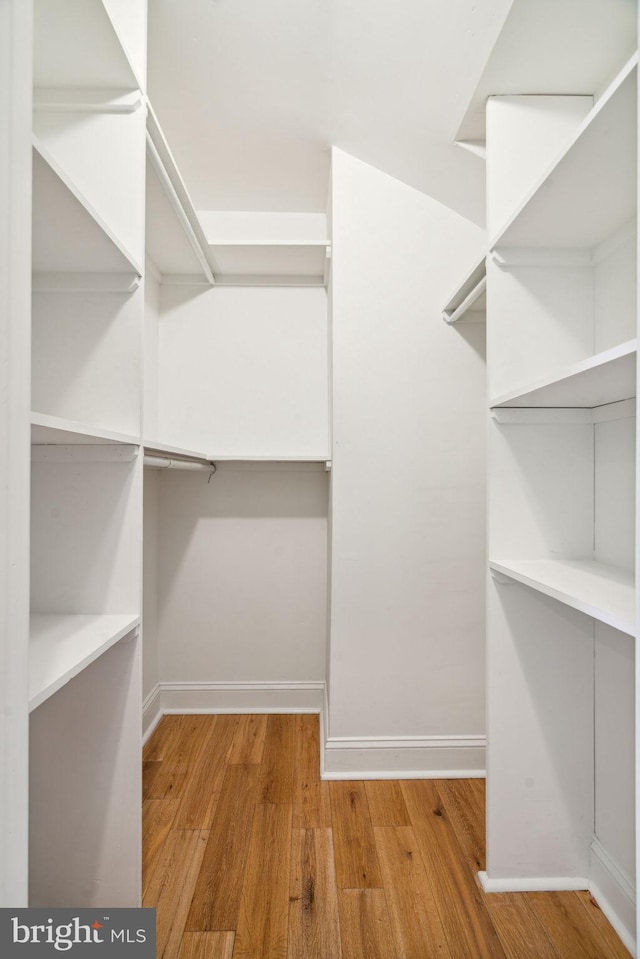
318	441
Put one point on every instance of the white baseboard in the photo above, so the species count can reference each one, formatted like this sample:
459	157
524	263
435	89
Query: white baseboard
533	883
412	757
151	713
614	892
233	697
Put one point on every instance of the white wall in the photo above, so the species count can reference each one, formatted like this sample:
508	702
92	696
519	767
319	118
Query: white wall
242	576
408	483
244	370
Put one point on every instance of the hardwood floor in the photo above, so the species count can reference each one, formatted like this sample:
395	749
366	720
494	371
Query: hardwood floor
248	855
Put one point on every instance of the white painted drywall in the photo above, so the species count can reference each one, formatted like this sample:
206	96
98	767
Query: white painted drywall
242	576
243	371
408	485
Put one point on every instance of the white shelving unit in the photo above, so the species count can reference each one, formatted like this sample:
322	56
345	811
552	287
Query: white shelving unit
88	148
562	601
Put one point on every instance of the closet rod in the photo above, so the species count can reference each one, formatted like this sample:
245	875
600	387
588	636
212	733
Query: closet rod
164	463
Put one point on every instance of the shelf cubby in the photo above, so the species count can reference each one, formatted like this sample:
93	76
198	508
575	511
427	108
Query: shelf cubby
76	44
590	190
608	377
62	645
603	592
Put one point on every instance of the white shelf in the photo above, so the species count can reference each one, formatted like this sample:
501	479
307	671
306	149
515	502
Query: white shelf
603	592
282	264
62	645
47	429
469	296
156	447
175	239
590	190
167	242
76	45
89	246
605	378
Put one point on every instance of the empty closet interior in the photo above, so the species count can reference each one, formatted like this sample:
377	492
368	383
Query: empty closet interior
259	459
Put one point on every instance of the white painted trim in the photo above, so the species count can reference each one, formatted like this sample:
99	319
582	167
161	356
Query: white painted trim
614	892
236	697
533	883
151	713
410	757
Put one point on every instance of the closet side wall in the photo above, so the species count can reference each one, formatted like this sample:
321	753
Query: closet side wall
15	307
408	487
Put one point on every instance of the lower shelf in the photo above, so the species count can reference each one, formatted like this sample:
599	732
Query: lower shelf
604	592
62	645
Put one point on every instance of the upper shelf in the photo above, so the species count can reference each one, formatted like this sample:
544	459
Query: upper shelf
89	245
608	377
470	296
76	45
590	190
161	449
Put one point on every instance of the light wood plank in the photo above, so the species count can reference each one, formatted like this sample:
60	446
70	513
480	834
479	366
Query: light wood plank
365	927
163	739
354	843
171	888
184	756
386	803
202	787
207	945
467	924
276	780
248	740
311	801
263	921
465	807
216	900
418	931
520	931
605	930
314	928
568	925
150	770
157	820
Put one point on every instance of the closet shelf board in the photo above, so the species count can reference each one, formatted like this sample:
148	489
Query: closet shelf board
76	45
590	191
157	447
303	260
604	592
61	212
469	295
608	377
47	429
62	645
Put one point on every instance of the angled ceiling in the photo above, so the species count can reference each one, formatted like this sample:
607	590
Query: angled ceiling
251	95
